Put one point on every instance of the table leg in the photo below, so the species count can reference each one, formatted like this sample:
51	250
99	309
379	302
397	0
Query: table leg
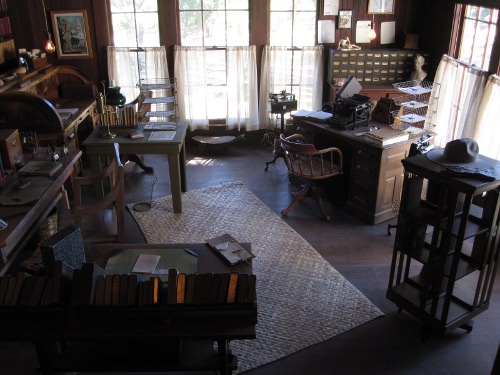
175	181
95	167
182	164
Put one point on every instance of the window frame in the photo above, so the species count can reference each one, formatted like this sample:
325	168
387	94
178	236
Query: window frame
458	29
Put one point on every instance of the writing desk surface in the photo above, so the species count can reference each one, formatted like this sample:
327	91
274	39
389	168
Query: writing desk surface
24	219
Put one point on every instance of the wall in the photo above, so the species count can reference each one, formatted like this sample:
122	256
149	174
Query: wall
432	19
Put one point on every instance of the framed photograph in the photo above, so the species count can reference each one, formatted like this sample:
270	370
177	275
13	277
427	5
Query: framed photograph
71	34
381	6
345	19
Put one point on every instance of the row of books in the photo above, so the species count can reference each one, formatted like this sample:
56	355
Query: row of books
91	286
210	288
22	289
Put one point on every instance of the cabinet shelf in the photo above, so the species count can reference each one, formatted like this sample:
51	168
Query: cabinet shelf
451	244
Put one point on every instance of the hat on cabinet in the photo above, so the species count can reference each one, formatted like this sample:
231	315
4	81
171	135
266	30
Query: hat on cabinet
464	153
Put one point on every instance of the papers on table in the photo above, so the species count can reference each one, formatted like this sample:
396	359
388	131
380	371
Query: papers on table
162	136
66	113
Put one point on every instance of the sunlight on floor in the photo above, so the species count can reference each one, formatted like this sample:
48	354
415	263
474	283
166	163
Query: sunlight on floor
200	161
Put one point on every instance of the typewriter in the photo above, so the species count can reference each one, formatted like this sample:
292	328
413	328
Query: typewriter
349	109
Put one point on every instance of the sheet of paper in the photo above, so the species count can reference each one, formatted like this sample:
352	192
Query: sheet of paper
146	263
388	32
326	31
162	136
331	8
362	28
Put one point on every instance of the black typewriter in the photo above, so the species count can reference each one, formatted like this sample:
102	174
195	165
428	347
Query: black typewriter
349	109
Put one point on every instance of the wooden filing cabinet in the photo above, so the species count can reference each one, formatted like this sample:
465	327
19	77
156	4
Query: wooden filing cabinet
10	148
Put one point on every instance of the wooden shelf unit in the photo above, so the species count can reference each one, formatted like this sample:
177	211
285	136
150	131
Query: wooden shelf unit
446	246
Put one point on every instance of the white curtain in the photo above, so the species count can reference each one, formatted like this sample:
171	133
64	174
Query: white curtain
242	104
191	80
241	89
458	91
124	65
276	65
486	132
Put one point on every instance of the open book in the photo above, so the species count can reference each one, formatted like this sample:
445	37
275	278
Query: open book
230	249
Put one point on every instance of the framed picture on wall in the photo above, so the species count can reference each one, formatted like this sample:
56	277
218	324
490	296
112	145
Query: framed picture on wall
381	6
71	34
345	19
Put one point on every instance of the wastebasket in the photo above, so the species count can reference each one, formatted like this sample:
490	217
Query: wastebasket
141	187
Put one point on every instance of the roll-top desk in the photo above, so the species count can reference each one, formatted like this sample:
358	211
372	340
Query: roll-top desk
29	103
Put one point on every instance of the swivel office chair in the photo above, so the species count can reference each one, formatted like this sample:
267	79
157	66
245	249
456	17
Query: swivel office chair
309	165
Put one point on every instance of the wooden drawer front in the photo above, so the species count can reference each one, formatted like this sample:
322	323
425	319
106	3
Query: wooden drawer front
366	164
10	148
393	161
363	196
70	136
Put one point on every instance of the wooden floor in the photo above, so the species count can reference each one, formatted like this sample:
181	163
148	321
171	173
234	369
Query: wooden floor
360	252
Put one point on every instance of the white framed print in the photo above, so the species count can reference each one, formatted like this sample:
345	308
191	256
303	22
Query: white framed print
381	6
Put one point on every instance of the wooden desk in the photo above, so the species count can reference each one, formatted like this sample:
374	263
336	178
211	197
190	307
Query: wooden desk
95	146
127	332
24	220
373	174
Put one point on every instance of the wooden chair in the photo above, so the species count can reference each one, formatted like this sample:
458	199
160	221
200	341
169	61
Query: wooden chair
309	165
102	220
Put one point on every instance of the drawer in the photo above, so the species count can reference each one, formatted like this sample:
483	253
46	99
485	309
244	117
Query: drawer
362	197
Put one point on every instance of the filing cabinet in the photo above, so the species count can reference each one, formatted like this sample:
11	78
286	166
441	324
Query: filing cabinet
10	148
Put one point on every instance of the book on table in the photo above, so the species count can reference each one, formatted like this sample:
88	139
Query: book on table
315	116
387	136
41	168
230	249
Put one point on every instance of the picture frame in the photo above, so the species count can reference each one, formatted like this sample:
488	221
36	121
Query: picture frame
381	6
345	19
71	34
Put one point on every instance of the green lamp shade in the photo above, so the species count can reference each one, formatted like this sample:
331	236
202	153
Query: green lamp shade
115	97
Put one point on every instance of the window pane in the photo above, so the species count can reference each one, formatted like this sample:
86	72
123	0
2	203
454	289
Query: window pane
281	27
189	4
191	29
213	4
214	28
305	5
237	4
237	29
146	5
281	5
148	34
122	6
124	30
304	27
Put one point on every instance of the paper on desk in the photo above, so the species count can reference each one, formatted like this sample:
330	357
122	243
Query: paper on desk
162	136
146	263
66	113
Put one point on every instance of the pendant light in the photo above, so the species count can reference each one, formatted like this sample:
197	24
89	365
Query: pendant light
49	44
372	34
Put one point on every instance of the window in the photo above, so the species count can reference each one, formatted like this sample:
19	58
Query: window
135	23
292	62
478	35
215	25
135	31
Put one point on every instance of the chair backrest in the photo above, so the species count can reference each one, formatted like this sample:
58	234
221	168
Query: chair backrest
114	197
306	162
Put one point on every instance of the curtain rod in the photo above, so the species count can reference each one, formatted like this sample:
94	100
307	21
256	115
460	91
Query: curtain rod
467	65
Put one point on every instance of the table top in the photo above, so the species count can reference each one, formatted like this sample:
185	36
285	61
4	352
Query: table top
208	260
22	217
140	145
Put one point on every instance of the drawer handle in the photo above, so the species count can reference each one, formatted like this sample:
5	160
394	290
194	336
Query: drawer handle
14	143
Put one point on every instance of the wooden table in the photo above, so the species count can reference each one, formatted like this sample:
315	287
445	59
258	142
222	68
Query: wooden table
128	332
96	146
24	220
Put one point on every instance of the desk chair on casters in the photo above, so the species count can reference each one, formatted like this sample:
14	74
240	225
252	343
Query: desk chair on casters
309	165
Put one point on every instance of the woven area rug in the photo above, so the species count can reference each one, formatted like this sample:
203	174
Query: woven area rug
302	300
